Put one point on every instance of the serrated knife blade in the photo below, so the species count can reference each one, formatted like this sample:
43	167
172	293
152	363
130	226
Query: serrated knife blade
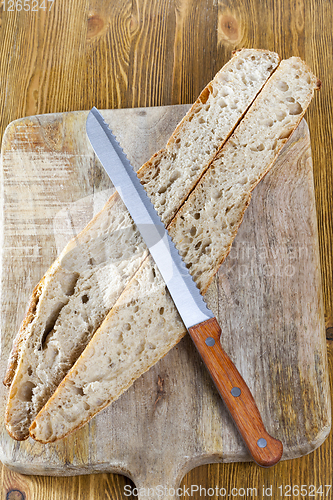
182	288
197	317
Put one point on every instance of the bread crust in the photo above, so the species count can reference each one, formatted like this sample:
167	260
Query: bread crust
22	334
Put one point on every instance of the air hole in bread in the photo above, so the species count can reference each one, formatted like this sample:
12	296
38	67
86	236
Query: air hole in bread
174	176
72	415
227	210
90	329
85	298
290	99
274	144
283	86
193	230
295	109
268	122
78	391
156	173
205	94
50	324
215	92
68	283
197	216
120	338
206	245
161	311
184	253
25	392
280	115
285	134
259	147
222	103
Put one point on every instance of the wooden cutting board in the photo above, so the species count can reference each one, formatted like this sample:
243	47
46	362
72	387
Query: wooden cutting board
267	296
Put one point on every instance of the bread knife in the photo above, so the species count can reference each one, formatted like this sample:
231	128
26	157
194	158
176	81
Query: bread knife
200	322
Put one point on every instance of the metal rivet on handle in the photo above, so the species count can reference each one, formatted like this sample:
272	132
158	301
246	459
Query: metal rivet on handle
210	341
235	391
262	443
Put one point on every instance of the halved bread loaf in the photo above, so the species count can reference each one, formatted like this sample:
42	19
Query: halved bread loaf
144	324
83	284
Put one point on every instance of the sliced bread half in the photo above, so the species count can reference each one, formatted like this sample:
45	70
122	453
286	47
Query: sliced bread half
144	324
81	287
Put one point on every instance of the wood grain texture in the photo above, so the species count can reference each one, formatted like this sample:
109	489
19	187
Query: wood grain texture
270	284
77	39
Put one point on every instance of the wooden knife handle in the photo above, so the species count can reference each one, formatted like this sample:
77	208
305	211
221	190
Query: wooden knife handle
265	450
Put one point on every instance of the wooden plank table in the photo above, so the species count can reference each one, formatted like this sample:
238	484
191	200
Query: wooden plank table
143	53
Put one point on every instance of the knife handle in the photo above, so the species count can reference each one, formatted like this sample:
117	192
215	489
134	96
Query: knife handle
265	450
